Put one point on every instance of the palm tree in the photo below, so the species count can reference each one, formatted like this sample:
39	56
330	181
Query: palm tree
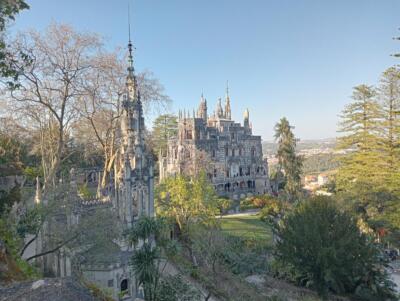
147	260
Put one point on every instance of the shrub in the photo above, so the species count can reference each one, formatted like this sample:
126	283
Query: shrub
274	210
329	253
175	288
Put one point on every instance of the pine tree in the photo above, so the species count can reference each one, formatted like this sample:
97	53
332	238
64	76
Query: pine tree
288	160
164	127
360	124
389	94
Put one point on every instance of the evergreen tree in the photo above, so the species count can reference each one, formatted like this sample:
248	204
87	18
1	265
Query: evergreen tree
288	160
164	127
389	92
360	124
323	247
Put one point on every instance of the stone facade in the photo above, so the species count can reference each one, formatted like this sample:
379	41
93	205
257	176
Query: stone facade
236	168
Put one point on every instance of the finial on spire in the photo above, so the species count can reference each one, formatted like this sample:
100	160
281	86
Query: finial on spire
227	88
130	57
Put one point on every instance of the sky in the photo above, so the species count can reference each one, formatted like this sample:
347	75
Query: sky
299	59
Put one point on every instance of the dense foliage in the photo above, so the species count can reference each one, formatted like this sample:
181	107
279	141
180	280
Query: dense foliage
326	250
316	164
187	201
8	11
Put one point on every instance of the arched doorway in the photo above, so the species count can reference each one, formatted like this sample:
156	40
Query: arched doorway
124	285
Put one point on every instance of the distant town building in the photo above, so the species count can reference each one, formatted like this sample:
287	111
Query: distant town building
236	165
322	179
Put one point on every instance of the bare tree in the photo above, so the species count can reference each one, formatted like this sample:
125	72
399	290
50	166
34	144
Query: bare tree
99	106
196	161
59	60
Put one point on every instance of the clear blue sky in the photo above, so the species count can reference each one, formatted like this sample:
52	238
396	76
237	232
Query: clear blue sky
298	58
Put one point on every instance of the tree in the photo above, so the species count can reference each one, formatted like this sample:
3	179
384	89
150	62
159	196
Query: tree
12	155
150	257
360	124
164	127
9	198
389	94
326	250
8	10
146	260
50	85
288	160
187	202
396	54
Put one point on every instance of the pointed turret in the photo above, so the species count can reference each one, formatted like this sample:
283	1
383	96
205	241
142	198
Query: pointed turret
246	117
219	111
202	110
227	104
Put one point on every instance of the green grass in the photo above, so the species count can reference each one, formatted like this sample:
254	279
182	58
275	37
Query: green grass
246	226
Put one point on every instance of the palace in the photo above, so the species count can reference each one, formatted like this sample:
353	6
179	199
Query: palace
228	151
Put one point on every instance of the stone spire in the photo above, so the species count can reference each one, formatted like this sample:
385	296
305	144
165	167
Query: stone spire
227	103
202	110
219	111
246	117
132	123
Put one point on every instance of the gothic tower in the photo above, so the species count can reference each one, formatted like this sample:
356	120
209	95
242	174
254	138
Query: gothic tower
202	110
135	186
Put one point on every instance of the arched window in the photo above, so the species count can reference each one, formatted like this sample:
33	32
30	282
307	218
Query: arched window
253	152
226	150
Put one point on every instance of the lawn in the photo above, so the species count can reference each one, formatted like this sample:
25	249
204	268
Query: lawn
246	226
